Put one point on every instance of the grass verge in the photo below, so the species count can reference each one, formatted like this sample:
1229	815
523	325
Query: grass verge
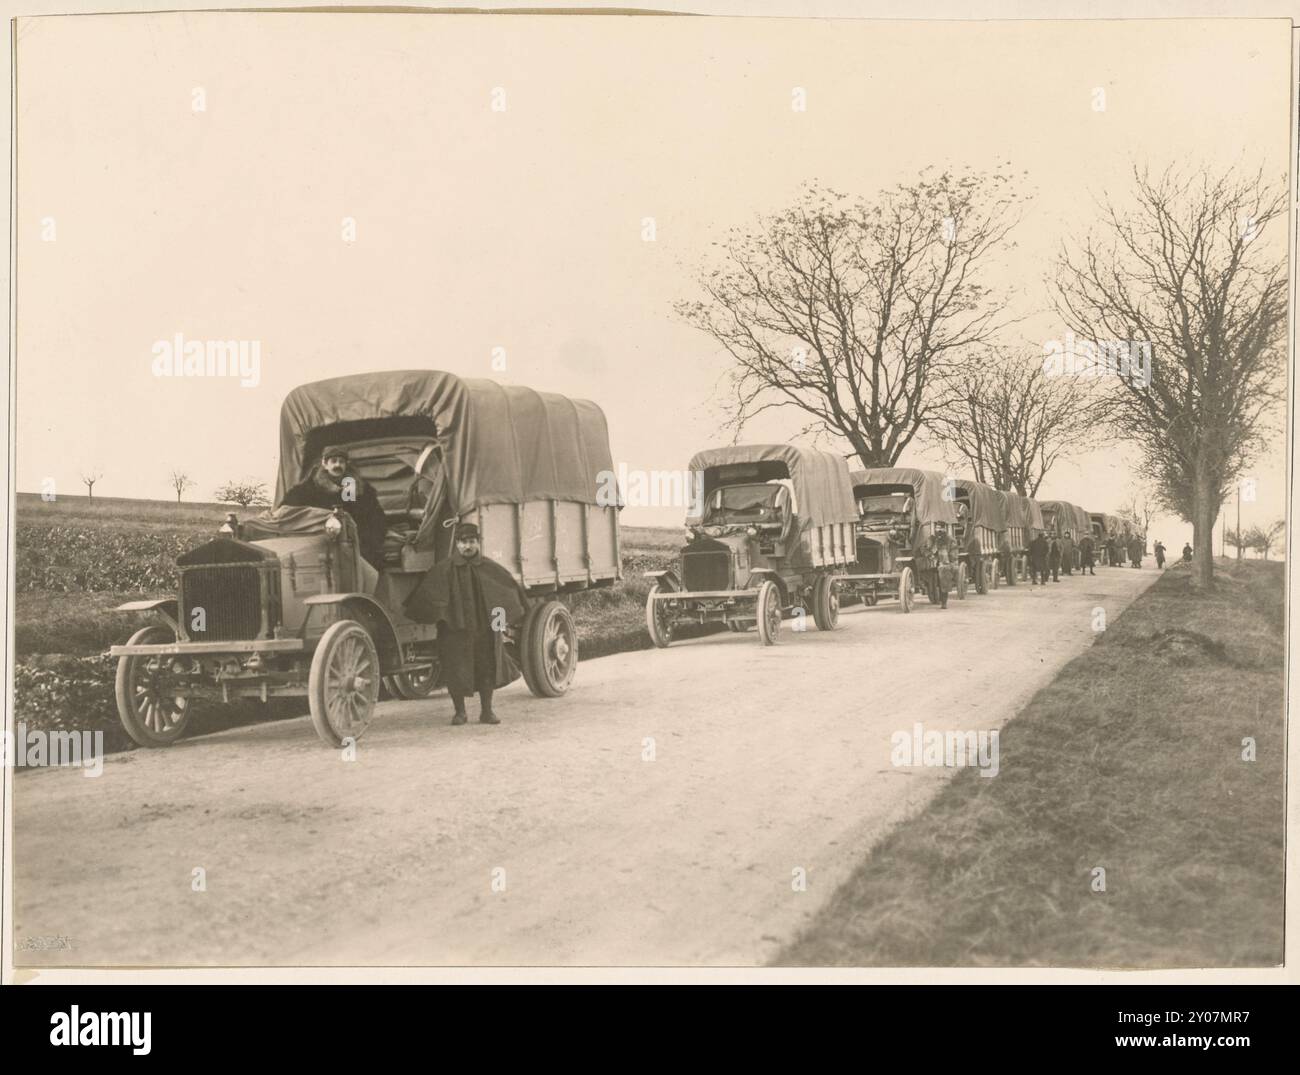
1132	761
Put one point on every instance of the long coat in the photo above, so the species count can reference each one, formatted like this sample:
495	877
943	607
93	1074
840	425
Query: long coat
320	491
463	598
1038	552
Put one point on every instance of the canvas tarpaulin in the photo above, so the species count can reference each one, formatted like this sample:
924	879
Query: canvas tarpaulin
933	502
821	480
986	505
1022	512
1067	517
500	444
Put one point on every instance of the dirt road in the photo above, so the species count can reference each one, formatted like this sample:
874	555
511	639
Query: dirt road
657	815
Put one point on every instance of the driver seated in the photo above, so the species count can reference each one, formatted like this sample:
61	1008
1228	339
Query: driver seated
334	484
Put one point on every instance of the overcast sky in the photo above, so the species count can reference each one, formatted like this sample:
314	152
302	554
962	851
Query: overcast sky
522	229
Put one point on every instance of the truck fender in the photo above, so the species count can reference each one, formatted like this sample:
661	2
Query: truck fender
370	613
758	574
668	578
166	607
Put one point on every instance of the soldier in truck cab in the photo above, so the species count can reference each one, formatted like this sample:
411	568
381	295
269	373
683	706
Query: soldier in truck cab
334	484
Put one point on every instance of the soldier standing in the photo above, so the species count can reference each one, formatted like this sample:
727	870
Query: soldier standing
1006	557
1038	560
1160	555
1054	560
1067	553
1085	552
472	600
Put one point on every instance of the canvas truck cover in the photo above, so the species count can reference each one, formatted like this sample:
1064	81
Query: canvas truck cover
1082	522
987	505
927	489
501	444
1022	512
821	480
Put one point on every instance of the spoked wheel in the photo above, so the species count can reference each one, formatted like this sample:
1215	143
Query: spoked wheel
344	682
658	619
151	713
981	578
768	612
549	648
993	575
1012	571
905	590
826	603
415	685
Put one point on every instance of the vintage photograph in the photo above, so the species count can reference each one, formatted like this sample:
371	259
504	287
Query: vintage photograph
624	490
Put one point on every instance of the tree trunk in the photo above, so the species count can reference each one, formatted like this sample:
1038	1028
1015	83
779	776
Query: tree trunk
1203	531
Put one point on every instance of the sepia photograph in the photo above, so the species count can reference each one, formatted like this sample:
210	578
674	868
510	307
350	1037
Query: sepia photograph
756	492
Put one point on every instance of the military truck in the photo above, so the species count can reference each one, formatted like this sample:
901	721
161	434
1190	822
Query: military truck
283	603
771	527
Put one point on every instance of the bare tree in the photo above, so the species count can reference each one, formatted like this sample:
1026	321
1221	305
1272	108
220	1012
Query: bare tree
1263	538
1185	273
1009	420
1138	510
88	479
1238	540
852	311
246	493
180	482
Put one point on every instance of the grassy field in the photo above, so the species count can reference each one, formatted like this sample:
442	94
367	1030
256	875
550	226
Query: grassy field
1132	761
77	558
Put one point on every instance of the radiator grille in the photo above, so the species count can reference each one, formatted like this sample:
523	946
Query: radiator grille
230	598
706	570
868	557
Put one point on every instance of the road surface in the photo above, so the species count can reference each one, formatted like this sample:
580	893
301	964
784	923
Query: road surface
657	815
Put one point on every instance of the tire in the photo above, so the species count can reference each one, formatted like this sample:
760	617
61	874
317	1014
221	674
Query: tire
548	649
905	590
343	685
415	685
659	624
768	611
147	714
826	603
981	578
993	574
961	582
1011	574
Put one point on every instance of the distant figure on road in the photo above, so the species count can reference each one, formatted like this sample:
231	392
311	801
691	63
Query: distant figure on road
1038	561
974	555
1054	560
1067	553
1160	555
471	599
1085	552
1187	554
1135	551
1005	558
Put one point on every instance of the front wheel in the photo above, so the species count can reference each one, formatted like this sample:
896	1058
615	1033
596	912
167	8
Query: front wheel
826	603
549	649
343	685
658	620
905	590
151	714
768	612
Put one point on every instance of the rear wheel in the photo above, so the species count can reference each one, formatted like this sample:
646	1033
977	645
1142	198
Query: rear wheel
981	579
1013	567
826	603
658	620
414	685
961	582
343	685
993	575
548	647
905	590
768	612
151	714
